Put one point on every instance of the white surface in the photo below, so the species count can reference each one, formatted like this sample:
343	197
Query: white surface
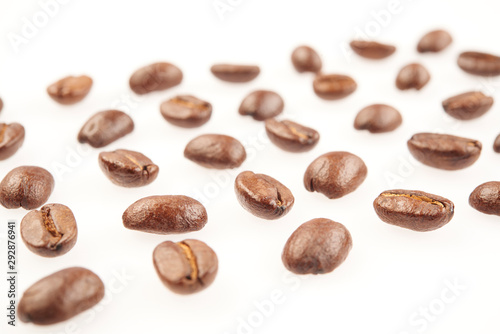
390	274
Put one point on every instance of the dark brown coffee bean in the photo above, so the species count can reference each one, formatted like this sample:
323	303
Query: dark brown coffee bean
479	63
261	105
60	296
486	198
263	196
306	59
444	151
496	144
185	267
235	73
468	105
413	209
335	174
215	151
413	76
167	214
434	41
50	231
186	111
11	139
378	118
291	136
27	186
333	86
70	90
317	247
155	77
105	127
128	168
372	50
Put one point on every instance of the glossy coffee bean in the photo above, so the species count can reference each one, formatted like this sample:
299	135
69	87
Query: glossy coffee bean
444	151
235	73
186	111
185	267
60	296
105	127
413	209
50	231
434	41
486	198
261	105
167	214
496	144
317	247
291	136
155	77
27	186
306	59
11	139
128	168
468	105
479	63
333	86
335	174
378	118
70	90
412	76
215	151
372	50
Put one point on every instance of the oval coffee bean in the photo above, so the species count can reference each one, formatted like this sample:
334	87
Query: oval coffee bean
1	104
372	50
70	90
413	209
60	296
412	76
128	168
27	186
378	118
333	86
261	105
306	59
434	41
215	151
186	111
185	267
467	106
11	139
291	136
486	198
167	214
496	144
50	231
263	196
235	73
317	247
335	174
479	63
105	127
444	151
155	77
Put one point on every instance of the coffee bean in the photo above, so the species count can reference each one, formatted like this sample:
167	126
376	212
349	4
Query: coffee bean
155	77
333	86
263	196
215	151
335	174
27	186
434	41
317	247
70	90
185	267
235	73
186	111
444	151
50	231
261	105
128	168
372	50
1	104
479	63
11	139
105	127
413	209
167	214
60	296
468	105
413	76
496	144
291	136
306	59
486	198
378	118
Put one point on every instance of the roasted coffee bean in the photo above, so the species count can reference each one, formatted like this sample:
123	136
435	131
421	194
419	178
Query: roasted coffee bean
50	231
317	247
413	76
291	136
413	209
27	186
372	50
185	267
378	118
1	104
155	77
486	198
70	90
186	111
105	127
467	106
333	86
215	151
235	73
261	105
444	151
263	196
335	174
496	144
11	139
434	41
479	63
60	296
306	59
128	168
167	214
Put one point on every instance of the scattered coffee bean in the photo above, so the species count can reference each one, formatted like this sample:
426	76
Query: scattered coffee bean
261	105
434	41
186	111
372	50
333	86
11	139
496	144
235	73
291	136
486	198
412	76
215	151
155	77
378	118
479	63
70	90
1	104
306	59
468	105
105	127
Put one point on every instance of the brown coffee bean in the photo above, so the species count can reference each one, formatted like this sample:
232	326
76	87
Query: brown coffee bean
185	267
306	59
496	144
27	186
444	151
11	139
186	111
60	296
167	214
291	136
50	231
105	127
128	168
434	41
479	63
335	174
317	247
70	90
486	198
333	86
378	118
372	50
235	73
1	104
468	105
413	209
261	105
155	77
215	151
412	76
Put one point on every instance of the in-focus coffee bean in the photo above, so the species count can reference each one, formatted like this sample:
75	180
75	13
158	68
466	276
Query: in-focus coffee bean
155	77
412	76
186	111
479	63
215	151
306	59
468	105
333	86
70	90
235	73
486	198
434	41
378	118
496	144
261	105
372	50
291	136
11	139
105	127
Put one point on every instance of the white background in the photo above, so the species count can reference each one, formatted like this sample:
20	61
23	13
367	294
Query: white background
391	274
